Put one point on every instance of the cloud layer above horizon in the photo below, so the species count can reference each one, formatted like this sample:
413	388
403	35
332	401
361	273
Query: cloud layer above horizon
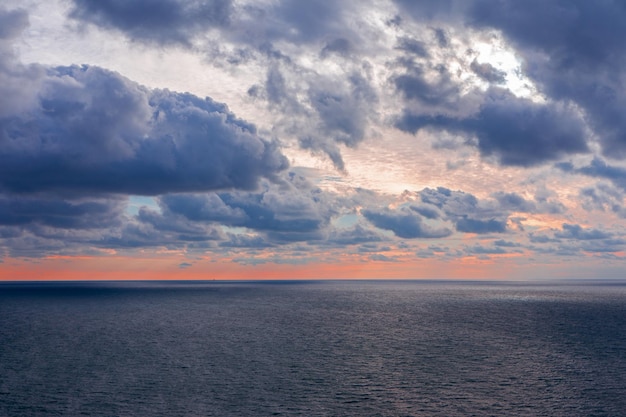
318	133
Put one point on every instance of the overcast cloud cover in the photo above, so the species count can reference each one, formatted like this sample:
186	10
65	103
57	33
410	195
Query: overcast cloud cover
485	136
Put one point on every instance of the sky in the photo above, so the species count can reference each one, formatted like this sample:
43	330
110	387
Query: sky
282	139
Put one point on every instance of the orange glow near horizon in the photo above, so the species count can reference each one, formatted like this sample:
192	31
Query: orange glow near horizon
82	268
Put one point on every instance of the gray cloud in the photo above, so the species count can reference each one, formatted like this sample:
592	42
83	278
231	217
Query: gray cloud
94	131
488	72
413	46
158	21
516	131
427	9
514	202
293	211
577	232
405	223
469	225
598	168
603	197
416	84
320	111
29	211
575	50
356	235
471	215
485	250
12	22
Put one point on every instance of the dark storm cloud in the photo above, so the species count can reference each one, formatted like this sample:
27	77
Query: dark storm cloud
575	50
256	25
159	21
249	210
515	130
404	223
343	115
506	244
181	227
94	131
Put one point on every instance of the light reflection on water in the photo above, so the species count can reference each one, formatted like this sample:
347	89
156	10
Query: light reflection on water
312	348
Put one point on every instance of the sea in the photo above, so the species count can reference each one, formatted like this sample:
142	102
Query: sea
313	348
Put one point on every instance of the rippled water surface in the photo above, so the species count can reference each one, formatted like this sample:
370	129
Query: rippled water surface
312	349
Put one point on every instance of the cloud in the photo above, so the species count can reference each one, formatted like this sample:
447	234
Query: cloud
289	212
488	72
506	244
515	130
514	202
469	225
485	250
12	22
412	46
382	258
575	50
19	84
427	9
321	111
416	83
576	232
404	223
77	141
603	197
317	108
158	21
471	215
28	211
600	169
93	131
356	235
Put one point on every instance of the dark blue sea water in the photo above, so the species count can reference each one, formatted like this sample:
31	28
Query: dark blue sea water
312	349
